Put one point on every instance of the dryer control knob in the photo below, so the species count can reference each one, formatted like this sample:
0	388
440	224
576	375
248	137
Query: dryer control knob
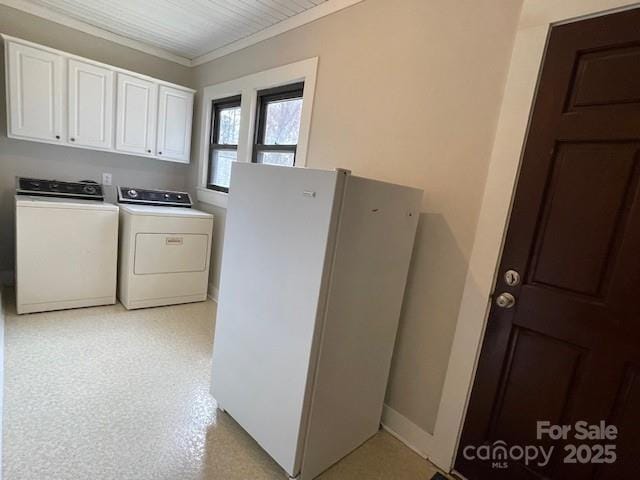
132	193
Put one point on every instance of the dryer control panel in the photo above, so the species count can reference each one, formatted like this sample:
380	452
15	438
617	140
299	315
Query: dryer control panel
144	196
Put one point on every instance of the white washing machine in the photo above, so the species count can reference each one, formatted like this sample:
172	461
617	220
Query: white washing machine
66	246
165	248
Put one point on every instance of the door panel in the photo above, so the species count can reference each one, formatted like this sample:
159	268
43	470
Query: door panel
573	246
569	349
137	109
35	93
174	124
606	78
523	376
90	105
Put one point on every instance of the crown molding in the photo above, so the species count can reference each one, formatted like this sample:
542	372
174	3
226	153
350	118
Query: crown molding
55	17
308	16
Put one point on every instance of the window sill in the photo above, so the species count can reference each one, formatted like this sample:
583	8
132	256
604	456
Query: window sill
212	197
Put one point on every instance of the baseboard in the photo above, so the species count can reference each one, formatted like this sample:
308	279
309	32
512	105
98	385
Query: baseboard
212	292
407	432
7	278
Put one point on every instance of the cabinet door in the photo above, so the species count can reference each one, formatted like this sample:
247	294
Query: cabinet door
35	93
136	115
174	124
90	105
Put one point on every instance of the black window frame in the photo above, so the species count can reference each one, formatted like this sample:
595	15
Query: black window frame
283	92
216	107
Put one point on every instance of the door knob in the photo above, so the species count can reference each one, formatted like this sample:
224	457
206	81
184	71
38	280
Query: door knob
505	300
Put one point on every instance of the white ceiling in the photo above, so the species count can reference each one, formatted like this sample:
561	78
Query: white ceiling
184	29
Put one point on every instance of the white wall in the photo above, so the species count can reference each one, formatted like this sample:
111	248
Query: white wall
409	92
21	158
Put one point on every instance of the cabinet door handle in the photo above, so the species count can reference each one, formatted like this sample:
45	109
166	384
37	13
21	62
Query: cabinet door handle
72	139
57	137
159	153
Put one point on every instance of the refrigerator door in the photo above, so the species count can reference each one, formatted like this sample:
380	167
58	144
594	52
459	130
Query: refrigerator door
277	233
373	249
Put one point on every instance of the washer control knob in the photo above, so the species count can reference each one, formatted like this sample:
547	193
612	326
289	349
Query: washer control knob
167	196
132	193
89	189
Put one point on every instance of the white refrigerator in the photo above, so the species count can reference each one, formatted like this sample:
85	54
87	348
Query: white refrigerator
314	269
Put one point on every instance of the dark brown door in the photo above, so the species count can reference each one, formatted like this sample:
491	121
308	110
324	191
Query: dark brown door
569	349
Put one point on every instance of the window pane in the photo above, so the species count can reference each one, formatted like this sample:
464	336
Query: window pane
283	122
277	158
229	126
220	167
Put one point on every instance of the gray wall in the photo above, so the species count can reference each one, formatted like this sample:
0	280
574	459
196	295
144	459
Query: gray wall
24	158
408	92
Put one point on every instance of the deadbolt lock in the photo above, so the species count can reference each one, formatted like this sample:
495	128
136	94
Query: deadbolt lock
511	278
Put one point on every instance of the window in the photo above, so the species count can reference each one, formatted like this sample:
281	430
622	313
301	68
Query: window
223	143
278	125
247	120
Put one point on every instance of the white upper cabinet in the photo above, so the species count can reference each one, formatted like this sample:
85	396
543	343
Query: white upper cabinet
174	124
34	79
90	105
137	112
57	97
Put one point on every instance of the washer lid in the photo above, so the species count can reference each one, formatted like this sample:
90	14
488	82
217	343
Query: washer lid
35	201
152	210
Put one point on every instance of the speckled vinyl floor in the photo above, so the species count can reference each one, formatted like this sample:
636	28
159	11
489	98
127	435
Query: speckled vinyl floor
108	394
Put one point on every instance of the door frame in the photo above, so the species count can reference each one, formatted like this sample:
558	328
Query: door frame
536	19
